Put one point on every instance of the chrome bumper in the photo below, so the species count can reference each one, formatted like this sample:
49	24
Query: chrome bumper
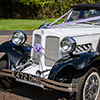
6	72
65	87
59	86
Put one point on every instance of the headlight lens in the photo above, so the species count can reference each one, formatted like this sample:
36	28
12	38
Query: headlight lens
68	44
19	38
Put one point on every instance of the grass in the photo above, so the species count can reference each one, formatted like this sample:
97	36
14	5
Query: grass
21	24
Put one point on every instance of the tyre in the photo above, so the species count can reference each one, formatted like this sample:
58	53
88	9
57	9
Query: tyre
6	82
88	85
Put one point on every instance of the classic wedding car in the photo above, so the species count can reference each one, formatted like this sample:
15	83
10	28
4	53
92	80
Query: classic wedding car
63	57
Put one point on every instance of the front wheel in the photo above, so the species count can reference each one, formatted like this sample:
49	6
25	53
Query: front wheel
88	85
6	82
91	87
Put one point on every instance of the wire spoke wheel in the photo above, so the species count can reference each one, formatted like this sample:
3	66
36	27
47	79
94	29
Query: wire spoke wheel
91	87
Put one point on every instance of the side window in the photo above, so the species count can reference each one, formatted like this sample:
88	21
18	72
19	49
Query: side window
91	13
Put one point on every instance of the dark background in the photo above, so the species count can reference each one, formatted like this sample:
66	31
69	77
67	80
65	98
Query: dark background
37	9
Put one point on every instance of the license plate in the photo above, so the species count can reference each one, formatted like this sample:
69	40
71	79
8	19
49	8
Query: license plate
27	77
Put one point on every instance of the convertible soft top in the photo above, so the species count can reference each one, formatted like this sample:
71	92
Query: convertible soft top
87	6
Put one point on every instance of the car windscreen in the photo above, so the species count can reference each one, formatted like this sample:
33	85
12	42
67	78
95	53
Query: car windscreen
82	14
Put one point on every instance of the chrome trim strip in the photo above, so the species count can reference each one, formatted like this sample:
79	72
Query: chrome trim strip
28	82
87	35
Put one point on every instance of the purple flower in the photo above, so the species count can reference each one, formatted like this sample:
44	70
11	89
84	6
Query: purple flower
37	48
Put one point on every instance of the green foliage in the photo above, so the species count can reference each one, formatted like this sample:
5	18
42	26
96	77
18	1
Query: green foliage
37	9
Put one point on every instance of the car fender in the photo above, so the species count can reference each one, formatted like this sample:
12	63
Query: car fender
14	53
78	62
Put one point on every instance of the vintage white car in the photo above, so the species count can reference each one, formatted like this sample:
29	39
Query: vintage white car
63	56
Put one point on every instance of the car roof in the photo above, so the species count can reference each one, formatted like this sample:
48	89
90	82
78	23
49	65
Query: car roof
87	6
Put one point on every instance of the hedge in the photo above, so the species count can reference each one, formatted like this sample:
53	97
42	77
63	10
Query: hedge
37	9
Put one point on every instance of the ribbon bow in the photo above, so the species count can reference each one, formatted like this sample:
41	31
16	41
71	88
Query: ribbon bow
37	48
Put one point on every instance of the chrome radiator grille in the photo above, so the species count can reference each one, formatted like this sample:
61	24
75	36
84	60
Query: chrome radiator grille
52	49
37	39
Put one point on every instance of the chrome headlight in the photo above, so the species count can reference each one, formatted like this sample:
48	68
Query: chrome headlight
19	38
68	44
